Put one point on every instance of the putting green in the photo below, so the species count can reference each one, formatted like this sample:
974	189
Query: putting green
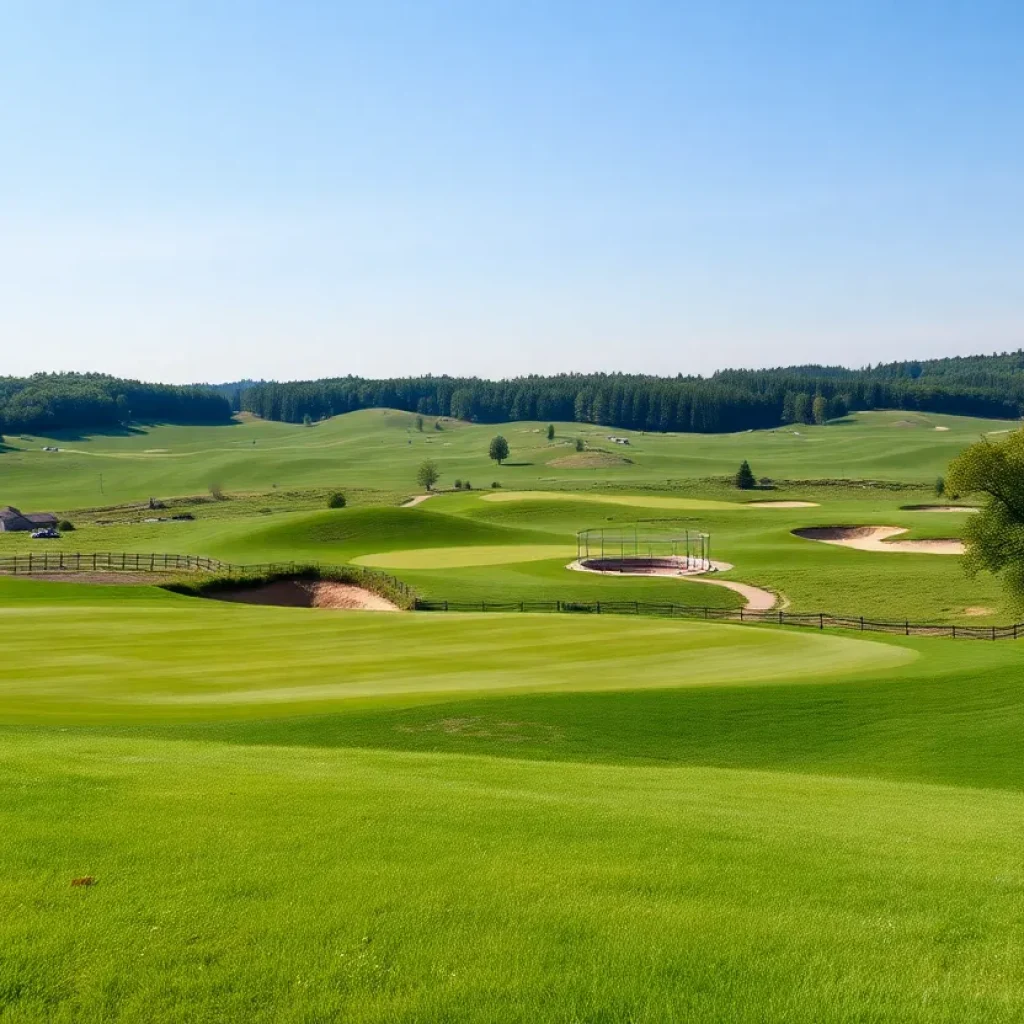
460	557
639	500
103	660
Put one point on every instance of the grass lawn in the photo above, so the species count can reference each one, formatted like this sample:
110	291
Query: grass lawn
306	815
302	815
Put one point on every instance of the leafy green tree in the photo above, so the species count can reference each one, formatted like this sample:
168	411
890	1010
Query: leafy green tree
336	500
940	486
499	449
745	479
307	420
994	537
819	410
428	474
551	431
802	408
580	446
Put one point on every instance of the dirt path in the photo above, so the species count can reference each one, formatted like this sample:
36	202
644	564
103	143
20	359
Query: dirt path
418	500
308	594
758	600
122	579
875	538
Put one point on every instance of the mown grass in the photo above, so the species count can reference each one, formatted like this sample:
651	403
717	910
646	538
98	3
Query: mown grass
381	448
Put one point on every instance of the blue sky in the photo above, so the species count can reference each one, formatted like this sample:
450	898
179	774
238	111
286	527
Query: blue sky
209	190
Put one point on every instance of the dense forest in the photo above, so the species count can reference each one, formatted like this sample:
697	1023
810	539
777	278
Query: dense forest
730	400
69	401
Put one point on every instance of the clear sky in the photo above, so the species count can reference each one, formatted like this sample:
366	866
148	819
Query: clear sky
207	190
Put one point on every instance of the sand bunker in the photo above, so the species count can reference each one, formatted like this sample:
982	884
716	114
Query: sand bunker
940	508
757	600
875	538
418	500
783	504
308	594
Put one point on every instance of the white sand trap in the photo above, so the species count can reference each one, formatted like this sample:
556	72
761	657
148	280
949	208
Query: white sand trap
875	538
418	500
757	600
308	594
942	428
783	504
940	508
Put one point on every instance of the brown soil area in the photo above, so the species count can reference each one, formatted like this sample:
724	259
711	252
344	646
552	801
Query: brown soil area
308	594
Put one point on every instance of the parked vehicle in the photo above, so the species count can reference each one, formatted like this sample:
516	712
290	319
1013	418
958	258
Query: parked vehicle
49	533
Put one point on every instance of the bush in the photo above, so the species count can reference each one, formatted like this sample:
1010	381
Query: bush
336	500
65	526
458	485
467	486
495	484
580	446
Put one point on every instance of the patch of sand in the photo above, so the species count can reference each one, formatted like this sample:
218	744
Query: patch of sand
784	504
757	600
308	594
874	538
942	428
978	611
418	500
940	508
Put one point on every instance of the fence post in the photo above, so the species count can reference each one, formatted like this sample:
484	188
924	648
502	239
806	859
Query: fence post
705	611
598	607
821	620
741	615
906	625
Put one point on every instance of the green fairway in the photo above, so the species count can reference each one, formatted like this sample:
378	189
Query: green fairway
300	814
382	448
457	558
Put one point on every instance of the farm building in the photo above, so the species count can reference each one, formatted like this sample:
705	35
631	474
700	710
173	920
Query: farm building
12	519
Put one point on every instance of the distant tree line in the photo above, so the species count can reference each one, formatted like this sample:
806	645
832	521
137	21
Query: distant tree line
63	401
731	400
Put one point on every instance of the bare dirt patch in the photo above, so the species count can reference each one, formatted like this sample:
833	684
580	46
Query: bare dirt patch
308	594
876	538
418	500
590	460
783	504
978	611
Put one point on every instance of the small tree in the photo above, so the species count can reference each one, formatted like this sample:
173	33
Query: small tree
551	431
580	446
468	486
499	449
307	420
819	410
427	475
745	479
458	484
419	424
65	526
940	486
336	500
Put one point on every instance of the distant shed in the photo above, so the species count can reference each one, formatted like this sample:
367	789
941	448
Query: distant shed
12	520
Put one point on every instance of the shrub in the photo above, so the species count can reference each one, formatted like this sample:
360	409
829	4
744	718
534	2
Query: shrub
458	485
551	431
940	487
336	500
65	526
495	484
580	446
467	486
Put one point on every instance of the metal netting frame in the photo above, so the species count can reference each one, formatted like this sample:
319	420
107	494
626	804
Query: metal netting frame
641	543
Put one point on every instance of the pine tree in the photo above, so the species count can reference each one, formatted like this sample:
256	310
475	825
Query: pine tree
745	479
